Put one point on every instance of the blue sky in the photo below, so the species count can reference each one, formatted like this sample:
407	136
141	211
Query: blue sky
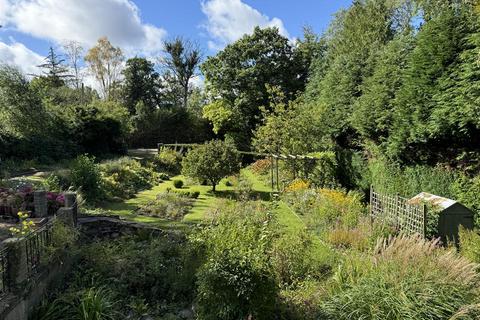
30	27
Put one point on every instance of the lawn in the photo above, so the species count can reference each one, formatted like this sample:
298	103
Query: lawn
205	202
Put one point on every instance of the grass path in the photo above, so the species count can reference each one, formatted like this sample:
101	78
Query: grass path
205	202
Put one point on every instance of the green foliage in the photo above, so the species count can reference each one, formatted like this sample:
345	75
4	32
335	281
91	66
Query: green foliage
239	74
167	125
178	183
467	192
409	181
141	84
85	176
63	238
169	205
296	257
470	244
237	279
407	278
438	45
168	160
211	161
124	177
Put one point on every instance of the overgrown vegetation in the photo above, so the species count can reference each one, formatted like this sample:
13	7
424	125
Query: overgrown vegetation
387	97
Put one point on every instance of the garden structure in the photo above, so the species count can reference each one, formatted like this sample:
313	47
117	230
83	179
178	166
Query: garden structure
273	157
450	214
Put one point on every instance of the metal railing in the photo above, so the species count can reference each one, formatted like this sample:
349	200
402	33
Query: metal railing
4	281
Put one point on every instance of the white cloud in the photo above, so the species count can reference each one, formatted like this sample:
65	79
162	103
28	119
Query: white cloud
84	21
229	20
19	55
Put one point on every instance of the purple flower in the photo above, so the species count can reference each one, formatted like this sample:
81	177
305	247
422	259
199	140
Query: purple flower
60	199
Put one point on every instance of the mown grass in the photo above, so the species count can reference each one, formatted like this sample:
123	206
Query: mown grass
205	202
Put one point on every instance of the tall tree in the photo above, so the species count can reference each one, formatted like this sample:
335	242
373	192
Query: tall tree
105	62
237	78
181	60
373	110
141	84
354	41
438	44
55	71
74	53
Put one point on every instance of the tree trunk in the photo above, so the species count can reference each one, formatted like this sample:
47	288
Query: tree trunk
214	184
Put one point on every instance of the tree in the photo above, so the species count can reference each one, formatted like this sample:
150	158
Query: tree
211	161
55	70
74	52
373	112
238	76
105	62
21	110
141	84
438	44
181	60
354	41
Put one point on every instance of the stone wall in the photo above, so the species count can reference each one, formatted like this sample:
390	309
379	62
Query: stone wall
27	286
93	227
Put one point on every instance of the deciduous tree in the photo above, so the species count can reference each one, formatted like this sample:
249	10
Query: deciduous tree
105	63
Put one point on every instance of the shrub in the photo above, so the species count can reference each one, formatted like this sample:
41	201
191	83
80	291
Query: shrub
409	181
467	192
236	286
327	208
470	244
211	161
343	237
169	205
408	278
168	160
163	176
297	185
62	241
124	177
302	302
85	176
297	257
244	189
187	194
178	184
237	281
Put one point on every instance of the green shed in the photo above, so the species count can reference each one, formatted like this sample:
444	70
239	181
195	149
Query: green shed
451	215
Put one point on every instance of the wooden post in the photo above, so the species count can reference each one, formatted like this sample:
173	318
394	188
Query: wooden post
424	220
396	209
159	147
271	170
71	202
276	167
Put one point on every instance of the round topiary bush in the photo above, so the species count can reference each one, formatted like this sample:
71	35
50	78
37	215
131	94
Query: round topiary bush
178	184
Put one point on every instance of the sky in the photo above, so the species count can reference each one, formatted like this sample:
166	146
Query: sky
139	27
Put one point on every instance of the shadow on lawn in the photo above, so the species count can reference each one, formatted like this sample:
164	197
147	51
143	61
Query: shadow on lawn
233	195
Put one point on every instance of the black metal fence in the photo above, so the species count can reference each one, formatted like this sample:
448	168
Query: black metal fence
27	253
4	281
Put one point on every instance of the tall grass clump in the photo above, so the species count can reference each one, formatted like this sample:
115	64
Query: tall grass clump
409	181
406	278
325	208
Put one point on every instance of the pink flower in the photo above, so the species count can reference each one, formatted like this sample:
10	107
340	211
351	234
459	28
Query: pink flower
60	199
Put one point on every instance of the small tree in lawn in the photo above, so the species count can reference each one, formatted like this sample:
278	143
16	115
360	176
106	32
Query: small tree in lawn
211	161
